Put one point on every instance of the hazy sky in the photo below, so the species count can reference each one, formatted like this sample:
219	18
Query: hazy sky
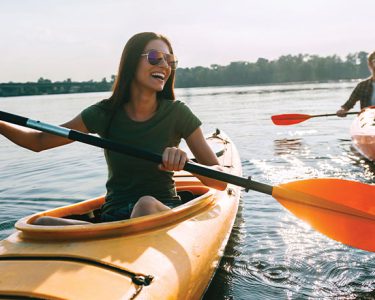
83	39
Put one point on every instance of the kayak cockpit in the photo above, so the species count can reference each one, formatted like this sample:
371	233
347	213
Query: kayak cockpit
93	216
197	199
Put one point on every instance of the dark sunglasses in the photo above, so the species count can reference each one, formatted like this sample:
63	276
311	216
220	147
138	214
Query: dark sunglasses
155	58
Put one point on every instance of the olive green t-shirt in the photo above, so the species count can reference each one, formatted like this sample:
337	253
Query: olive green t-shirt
130	178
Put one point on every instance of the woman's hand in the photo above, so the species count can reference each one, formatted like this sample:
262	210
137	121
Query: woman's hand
174	159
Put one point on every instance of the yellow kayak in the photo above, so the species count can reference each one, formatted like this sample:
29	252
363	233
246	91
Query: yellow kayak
169	255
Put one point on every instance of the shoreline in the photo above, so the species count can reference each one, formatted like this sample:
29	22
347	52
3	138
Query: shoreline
75	90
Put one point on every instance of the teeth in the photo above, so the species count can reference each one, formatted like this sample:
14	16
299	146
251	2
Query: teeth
158	75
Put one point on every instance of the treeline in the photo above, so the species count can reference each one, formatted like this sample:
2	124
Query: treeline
285	69
46	86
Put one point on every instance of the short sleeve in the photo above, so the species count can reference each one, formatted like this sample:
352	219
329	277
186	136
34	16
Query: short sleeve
187	120
96	117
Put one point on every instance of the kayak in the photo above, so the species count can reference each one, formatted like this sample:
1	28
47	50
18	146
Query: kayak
169	255
363	132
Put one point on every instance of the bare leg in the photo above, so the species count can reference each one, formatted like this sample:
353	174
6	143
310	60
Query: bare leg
53	221
147	205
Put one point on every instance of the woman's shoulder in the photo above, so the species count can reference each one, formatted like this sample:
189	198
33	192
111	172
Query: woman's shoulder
174	104
99	110
365	82
102	107
179	108
104	104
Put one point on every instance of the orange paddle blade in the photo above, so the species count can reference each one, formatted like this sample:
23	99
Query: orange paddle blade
343	210
289	119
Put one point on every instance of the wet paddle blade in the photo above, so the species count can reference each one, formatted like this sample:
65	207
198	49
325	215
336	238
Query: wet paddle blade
341	209
289	119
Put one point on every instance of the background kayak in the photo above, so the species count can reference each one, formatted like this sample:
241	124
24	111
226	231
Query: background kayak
363	133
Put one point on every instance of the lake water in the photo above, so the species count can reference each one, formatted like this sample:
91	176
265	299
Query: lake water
271	253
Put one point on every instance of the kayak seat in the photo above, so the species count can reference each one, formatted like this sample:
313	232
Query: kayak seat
186	196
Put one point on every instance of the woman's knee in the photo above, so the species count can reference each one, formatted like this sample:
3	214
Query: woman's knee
145	202
43	221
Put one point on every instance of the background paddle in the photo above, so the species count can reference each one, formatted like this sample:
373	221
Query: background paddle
290	119
341	209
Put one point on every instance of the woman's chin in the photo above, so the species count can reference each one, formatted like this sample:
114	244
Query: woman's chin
159	88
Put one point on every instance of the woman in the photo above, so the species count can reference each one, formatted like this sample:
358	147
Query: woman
143	112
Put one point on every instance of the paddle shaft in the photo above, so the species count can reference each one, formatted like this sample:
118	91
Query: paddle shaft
192	167
330	115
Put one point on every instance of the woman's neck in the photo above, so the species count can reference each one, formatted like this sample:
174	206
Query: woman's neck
142	106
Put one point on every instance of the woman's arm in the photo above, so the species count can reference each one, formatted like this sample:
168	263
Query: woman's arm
204	155
38	141
354	97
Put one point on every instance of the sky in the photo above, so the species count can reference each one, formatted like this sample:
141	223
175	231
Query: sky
83	39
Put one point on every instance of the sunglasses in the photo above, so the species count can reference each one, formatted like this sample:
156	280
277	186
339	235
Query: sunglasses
156	57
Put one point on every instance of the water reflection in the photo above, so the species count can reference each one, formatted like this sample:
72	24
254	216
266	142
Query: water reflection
287	146
220	287
365	166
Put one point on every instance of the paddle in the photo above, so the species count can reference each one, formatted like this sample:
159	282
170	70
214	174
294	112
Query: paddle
341	209
290	119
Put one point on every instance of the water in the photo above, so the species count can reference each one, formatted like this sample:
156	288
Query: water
271	253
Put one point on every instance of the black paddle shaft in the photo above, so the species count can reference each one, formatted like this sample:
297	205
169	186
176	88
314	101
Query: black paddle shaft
331	115
192	167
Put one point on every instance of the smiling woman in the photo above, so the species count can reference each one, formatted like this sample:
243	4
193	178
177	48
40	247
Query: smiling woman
142	111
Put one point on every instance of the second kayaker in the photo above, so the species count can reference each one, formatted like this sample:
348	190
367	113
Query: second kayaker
363	92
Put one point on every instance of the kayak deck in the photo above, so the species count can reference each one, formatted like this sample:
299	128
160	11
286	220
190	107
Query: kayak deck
172	254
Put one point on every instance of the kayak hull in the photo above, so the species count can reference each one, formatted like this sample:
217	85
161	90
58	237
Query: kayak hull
169	255
363	133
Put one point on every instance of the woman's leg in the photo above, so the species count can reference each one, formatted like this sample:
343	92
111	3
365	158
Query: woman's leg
53	221
147	205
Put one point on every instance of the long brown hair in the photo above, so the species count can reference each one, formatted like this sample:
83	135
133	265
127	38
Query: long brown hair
371	56
128	67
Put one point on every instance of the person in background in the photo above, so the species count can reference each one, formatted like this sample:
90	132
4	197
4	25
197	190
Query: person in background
363	92
142	111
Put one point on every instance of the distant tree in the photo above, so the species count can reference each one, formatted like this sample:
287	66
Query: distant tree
363	70
41	80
